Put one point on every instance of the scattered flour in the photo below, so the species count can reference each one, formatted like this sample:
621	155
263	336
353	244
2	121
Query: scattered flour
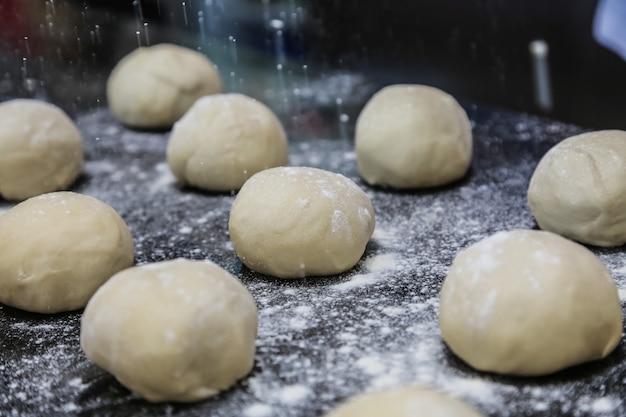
321	340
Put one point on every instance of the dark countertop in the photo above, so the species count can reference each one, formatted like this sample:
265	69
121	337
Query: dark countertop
320	339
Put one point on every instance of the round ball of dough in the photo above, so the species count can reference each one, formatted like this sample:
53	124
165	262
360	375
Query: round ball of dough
57	249
578	190
292	222
529	302
172	331
152	87
404	402
411	136
41	150
223	140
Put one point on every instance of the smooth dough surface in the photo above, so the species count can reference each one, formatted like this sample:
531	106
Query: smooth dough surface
529	302
177	330
57	249
404	402
412	136
41	150
291	222
223	140
153	86
578	189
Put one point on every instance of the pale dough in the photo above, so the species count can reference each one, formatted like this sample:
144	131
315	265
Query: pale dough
172	331
223	140
578	189
528	302
411	136
292	222
411	401
57	249
152	87
41	150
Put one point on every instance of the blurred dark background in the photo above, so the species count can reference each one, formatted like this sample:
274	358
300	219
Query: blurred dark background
294	53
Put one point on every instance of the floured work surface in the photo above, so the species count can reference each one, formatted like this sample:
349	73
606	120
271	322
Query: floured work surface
320	339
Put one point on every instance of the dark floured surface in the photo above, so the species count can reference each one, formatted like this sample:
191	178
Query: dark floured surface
320	339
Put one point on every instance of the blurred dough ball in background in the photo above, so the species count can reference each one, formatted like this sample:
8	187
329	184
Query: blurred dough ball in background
177	330
152	87
529	302
41	150
412	136
578	189
57	249
292	222
223	140
411	401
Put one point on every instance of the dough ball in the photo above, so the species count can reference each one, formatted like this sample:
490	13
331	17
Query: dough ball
57	249
223	140
529	302
578	190
411	136
152	87
292	222
41	150
172	331
404	402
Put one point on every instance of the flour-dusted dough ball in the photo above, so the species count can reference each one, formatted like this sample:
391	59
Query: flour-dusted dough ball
404	402
411	136
223	140
292	222
57	249
152	87
578	190
41	150
172	331
529	302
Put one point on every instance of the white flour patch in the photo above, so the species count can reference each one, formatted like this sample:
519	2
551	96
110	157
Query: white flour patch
258	410
294	394
384	262
321	339
163	180
621	270
605	404
185	230
357	281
